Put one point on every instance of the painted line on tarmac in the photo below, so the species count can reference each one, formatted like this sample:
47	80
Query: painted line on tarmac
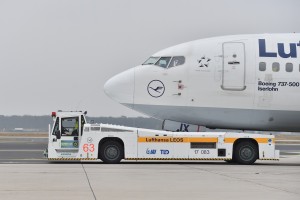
27	142
292	152
22	150
22	137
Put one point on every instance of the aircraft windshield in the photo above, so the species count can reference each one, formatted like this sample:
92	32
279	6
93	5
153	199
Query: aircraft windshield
163	62
176	61
151	61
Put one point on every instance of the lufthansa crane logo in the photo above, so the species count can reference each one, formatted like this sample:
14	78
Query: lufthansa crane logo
156	88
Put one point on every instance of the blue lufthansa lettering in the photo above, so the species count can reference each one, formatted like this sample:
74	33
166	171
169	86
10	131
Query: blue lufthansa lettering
262	49
293	51
280	47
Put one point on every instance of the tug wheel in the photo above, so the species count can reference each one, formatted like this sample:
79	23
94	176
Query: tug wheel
245	153
111	152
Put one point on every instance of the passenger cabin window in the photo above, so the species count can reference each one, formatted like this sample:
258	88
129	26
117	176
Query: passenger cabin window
176	61
163	62
151	61
275	67
262	66
289	67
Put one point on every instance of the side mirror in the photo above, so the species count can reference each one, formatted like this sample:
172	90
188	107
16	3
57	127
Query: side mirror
57	133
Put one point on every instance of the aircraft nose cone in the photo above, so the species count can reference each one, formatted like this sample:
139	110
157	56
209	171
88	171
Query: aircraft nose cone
121	87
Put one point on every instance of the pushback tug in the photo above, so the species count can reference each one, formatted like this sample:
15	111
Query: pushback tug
72	138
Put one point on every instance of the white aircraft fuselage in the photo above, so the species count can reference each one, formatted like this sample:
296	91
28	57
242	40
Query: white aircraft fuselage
246	82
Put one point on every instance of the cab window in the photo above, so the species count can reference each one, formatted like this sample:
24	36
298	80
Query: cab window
69	126
151	61
176	61
82	123
163	62
56	126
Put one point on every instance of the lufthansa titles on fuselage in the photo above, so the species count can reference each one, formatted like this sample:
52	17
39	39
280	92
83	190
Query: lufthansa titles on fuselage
280	50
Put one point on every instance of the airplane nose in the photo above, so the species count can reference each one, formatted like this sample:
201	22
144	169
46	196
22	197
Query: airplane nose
121	87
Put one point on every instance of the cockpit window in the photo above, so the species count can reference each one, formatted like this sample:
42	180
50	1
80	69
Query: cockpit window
177	60
151	61
163	62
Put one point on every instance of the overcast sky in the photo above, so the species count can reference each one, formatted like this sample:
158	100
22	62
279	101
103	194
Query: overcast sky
57	54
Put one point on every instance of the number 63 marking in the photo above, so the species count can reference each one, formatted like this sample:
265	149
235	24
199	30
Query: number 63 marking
88	147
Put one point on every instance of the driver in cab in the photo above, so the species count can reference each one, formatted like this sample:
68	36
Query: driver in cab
74	132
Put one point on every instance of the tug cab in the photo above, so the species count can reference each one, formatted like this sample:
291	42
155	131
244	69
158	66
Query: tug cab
65	135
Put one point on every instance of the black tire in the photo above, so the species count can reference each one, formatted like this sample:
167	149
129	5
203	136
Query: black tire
246	153
111	152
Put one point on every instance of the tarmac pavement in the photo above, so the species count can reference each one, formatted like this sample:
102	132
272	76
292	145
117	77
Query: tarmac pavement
152	180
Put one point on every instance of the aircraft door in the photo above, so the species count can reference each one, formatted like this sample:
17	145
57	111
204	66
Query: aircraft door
70	130
65	133
234	62
56	135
